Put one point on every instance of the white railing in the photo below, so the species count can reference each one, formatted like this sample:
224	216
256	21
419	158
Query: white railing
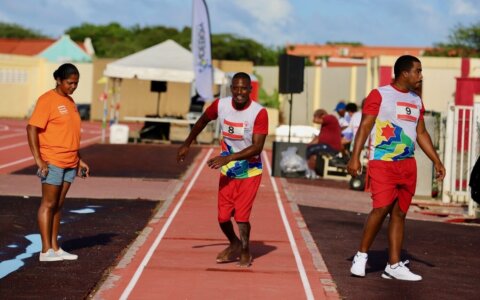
461	152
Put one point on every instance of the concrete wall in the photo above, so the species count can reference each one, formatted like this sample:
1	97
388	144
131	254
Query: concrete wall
323	88
23	79
361	87
269	76
335	86
83	93
21	83
475	67
234	66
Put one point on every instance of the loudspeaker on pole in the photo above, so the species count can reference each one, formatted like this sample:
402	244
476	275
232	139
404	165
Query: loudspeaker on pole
291	70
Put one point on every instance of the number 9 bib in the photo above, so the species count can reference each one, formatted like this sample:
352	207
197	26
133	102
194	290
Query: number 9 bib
407	111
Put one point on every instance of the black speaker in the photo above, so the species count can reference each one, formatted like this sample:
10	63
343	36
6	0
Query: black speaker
290	79
158	86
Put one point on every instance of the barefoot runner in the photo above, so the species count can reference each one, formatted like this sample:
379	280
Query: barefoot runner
244	126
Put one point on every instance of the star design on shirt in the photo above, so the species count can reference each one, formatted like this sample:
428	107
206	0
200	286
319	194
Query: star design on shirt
388	132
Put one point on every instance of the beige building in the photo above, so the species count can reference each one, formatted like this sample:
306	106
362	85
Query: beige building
24	78
27	66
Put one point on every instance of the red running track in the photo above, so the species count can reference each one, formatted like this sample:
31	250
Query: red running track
14	151
174	257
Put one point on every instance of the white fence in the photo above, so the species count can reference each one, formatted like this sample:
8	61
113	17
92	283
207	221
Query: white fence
462	137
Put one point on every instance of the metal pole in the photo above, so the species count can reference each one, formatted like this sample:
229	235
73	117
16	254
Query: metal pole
290	117
449	132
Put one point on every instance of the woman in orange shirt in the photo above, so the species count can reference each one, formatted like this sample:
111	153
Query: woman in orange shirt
54	138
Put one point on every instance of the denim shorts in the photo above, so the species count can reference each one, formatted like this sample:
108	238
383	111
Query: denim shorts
56	175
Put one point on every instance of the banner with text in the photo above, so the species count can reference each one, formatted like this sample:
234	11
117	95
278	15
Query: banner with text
201	48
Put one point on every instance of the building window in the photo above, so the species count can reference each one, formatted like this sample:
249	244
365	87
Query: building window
344	51
13	76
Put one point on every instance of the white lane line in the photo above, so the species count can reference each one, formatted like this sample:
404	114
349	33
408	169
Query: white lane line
13	134
90	140
28	158
16	162
26	143
13	146
160	236
288	229
91	131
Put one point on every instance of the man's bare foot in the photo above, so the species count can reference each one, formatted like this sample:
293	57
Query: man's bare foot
245	259
229	254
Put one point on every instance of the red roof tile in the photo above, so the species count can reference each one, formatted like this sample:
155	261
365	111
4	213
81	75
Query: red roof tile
347	51
30	47
24	47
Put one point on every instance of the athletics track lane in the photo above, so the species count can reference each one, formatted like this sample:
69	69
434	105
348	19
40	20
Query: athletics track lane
177	257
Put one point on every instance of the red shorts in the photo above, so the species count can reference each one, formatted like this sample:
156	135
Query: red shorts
390	180
235	197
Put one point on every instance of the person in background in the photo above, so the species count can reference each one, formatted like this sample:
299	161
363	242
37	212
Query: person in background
244	126
343	118
328	141
355	120
347	133
395	113
53	133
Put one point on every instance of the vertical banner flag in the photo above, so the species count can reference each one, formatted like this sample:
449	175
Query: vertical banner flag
201	48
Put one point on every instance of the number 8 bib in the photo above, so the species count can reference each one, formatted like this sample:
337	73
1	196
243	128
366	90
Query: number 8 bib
233	130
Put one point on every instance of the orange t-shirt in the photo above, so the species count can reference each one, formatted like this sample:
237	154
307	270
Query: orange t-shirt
59	134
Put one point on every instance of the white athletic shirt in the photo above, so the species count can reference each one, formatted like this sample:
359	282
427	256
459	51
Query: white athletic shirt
395	131
238	127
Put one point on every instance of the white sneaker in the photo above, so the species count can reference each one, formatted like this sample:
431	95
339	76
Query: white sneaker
308	173
400	271
65	255
359	263
311	174
49	256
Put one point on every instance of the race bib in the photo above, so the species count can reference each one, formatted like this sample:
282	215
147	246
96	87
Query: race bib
407	111
233	130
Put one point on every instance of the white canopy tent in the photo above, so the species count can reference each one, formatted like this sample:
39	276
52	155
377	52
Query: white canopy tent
167	61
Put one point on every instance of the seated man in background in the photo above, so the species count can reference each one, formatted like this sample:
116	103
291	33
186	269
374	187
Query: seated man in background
328	141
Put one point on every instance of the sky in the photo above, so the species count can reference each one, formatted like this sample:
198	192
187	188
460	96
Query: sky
271	22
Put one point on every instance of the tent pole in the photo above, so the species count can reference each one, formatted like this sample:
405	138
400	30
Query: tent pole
104	97
158	104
